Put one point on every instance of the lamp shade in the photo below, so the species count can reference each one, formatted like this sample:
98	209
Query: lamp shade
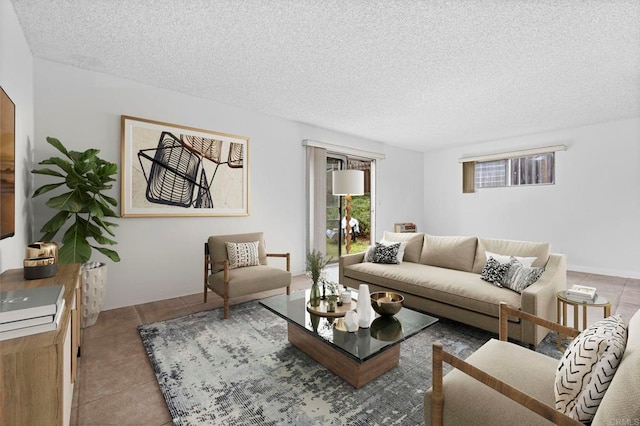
348	182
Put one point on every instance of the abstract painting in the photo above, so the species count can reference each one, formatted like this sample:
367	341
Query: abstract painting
173	170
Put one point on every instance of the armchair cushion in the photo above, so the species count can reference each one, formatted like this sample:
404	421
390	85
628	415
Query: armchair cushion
249	280
242	254
588	366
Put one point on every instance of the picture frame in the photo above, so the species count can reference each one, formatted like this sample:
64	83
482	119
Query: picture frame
7	166
172	170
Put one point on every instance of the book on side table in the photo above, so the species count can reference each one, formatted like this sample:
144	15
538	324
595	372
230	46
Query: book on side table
581	293
30	311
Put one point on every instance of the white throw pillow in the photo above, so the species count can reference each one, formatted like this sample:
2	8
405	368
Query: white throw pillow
242	254
587	367
526	261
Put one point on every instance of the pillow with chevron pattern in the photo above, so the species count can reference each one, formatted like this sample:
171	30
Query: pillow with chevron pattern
242	254
587	367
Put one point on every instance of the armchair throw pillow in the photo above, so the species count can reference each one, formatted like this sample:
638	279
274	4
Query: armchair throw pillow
588	366
242	254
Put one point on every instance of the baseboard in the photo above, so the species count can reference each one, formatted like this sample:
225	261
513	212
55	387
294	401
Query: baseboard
608	272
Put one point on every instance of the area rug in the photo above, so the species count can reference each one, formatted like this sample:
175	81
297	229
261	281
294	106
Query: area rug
243	371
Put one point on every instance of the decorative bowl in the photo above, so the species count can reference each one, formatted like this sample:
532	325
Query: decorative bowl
386	303
386	328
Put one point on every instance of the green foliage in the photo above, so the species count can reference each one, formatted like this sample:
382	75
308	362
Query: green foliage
361	210
316	262
86	176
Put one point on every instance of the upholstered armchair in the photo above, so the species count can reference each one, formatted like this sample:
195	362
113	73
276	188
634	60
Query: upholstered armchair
505	383
236	265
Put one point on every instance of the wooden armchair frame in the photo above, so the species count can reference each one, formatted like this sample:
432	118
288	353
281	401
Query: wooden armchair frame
208	269
535	405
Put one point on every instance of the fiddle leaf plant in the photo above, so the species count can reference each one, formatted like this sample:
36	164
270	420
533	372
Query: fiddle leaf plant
85	176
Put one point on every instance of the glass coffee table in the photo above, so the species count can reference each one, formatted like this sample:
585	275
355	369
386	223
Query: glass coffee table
357	357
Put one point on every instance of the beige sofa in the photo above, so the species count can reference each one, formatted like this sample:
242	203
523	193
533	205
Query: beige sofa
441	276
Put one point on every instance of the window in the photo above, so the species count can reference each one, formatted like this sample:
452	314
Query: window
538	169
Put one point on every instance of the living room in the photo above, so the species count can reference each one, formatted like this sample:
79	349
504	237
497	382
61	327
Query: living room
590	214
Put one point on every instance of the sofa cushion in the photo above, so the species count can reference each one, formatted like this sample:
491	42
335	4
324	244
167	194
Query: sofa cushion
458	288
449	252
414	244
510	248
588	366
620	402
469	402
218	247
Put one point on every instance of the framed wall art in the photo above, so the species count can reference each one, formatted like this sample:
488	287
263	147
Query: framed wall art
7	166
173	170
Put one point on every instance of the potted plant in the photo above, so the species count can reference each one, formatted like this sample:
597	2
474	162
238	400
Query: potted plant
83	209
316	261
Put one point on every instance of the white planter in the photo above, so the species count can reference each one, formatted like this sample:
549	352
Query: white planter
94	284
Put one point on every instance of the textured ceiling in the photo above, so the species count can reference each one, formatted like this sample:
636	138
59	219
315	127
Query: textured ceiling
419	74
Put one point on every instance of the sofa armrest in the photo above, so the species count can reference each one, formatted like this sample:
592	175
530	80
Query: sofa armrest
346	260
539	299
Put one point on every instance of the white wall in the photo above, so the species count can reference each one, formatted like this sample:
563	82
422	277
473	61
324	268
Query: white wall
162	257
16	78
592	213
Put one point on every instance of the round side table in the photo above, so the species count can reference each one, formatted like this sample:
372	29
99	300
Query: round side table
563	301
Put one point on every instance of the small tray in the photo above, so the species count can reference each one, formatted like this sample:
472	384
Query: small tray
321	310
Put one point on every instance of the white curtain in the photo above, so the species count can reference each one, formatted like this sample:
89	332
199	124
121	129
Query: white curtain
316	178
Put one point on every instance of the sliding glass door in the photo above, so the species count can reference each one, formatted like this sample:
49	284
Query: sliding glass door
361	212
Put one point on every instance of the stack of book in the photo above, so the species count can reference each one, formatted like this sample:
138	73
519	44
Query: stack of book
581	293
30	311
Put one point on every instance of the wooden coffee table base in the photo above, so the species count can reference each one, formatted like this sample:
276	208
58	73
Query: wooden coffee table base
355	373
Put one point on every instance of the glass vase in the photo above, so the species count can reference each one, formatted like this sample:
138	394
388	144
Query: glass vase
315	295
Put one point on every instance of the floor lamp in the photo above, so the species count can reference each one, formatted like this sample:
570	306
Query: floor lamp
348	183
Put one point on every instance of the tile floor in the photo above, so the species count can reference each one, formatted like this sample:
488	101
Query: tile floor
116	384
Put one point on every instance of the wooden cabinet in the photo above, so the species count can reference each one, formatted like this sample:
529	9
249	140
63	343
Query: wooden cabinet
38	372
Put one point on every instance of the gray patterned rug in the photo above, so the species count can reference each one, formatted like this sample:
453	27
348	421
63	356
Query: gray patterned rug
243	371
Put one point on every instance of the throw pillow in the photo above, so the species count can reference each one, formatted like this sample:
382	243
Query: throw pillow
587	367
403	246
386	253
242	254
519	277
494	271
368	255
526	261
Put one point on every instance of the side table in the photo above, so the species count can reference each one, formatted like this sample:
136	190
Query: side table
562	301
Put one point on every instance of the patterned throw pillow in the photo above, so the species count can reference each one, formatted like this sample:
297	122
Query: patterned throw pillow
242	254
368	255
386	253
519	277
494	271
587	367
